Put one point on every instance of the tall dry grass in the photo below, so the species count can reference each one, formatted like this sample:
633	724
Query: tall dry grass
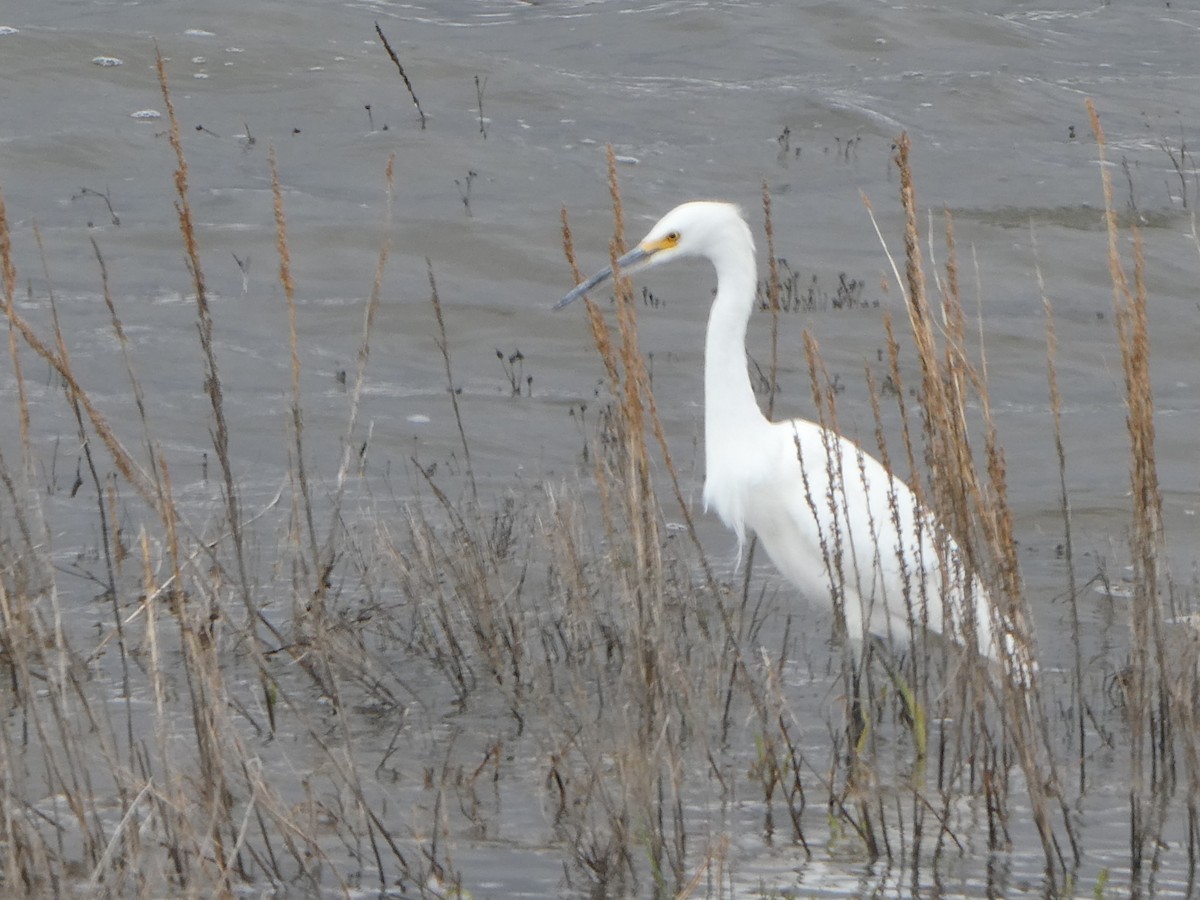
658	693
1159	683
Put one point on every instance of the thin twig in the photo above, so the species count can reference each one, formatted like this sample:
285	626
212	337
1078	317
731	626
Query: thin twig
444	346
400	69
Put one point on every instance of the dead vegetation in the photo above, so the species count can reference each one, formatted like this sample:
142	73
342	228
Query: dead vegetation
304	722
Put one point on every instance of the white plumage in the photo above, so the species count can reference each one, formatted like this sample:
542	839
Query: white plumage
829	515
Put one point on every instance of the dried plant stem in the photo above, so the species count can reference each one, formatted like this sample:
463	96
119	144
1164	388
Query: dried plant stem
364	346
1147	688
139	396
187	229
443	345
603	341
304	501
8	281
603	648
403	75
653	772
644	582
1077	676
595	318
130	470
480	87
105	525
965	502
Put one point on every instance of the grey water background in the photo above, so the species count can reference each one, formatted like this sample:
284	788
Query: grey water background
699	99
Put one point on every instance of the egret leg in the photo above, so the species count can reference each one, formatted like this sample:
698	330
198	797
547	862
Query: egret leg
913	710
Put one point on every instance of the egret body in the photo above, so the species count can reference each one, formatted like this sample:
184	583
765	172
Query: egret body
831	517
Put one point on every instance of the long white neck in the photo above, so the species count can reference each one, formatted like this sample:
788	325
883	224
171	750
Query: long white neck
731	413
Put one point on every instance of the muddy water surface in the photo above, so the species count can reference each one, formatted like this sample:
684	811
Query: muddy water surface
698	99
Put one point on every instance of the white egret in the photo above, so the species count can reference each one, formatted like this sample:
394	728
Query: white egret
834	521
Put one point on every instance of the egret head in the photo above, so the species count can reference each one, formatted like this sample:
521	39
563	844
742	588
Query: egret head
702	228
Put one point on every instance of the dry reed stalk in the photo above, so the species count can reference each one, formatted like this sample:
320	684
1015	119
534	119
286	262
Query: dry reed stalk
24	619
1077	676
945	382
657	655
967	380
197	814
443	346
42	672
948	380
202	672
595	318
130	470
781	767
372	307
837	553
967	503
832	544
106	538
403	75
915	599
8	280
212	381
603	341
643	583
364	352
135	383
635	473
916	596
312	605
125	463
1147	688
21	841
169	780
304	501
660	436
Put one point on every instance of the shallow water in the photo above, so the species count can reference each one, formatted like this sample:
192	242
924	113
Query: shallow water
704	99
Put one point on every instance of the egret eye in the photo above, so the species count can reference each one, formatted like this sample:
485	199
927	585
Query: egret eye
673	237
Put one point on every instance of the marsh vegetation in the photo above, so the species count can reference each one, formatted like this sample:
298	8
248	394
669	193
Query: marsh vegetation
332	690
